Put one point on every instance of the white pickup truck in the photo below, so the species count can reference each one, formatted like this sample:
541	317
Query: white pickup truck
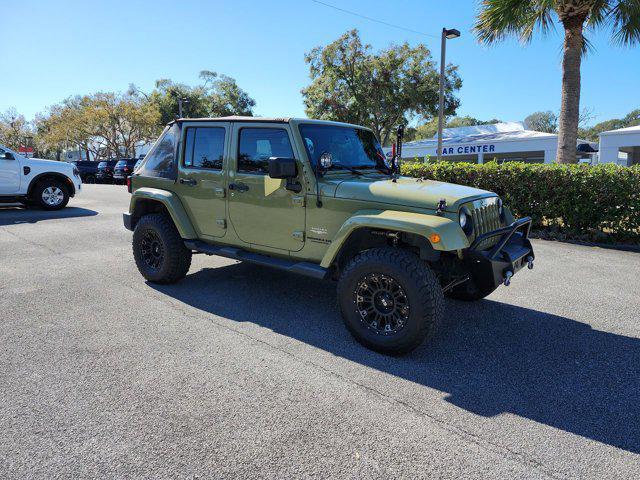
33	181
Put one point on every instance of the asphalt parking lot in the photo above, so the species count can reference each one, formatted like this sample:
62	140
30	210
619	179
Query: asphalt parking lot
241	371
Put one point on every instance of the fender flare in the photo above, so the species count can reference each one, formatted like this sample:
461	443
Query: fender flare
452	237
172	204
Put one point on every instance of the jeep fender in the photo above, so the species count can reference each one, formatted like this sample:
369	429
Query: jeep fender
171	203
451	235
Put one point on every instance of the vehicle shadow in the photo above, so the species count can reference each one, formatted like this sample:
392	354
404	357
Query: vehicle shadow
489	357
15	214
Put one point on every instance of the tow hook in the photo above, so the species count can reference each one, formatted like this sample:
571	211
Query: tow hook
507	278
530	262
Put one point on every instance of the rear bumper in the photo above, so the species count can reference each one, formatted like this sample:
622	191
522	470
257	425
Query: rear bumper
126	219
510	254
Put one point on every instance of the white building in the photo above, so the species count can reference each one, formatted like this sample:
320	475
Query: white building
620	146
507	141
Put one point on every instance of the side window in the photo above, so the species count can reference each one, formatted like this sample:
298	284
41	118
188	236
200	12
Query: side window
160	161
204	147
258	144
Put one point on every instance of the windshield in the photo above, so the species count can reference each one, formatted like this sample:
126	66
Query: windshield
349	146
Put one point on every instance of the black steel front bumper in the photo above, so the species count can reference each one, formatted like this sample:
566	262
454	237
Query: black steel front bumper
499	263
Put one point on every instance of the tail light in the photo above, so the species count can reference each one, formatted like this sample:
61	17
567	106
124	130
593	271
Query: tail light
129	184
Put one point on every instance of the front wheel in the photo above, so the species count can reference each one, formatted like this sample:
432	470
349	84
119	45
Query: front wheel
159	251
390	300
51	195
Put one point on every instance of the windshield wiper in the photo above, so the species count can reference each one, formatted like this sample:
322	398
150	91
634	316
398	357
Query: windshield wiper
345	167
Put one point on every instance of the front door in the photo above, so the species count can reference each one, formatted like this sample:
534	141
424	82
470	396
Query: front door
263	212
9	174
201	176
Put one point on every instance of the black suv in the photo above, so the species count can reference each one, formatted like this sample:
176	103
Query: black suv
123	169
105	171
88	170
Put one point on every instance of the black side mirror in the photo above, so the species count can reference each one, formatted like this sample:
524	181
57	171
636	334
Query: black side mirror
282	167
8	156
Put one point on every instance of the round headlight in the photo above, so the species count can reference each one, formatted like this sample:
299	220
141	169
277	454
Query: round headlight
463	220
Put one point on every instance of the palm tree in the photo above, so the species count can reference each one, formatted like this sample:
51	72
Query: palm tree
499	19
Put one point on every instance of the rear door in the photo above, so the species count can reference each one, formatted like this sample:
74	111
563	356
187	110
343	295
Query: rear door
9	174
201	176
263	212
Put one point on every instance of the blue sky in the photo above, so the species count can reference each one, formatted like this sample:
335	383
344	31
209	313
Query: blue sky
53	49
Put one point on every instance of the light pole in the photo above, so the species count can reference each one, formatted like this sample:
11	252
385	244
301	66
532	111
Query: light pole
447	34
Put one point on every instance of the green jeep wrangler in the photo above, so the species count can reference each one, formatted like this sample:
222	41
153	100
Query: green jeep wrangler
320	199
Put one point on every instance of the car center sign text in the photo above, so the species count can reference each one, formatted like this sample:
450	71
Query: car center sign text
461	150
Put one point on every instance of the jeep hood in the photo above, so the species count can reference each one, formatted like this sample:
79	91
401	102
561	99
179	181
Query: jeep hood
409	192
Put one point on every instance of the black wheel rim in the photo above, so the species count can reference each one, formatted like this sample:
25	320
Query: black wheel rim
382	304
152	249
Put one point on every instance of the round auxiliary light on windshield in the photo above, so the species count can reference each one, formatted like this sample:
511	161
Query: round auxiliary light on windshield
326	160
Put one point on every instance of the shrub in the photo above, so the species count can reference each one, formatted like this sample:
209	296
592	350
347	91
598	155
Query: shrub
599	202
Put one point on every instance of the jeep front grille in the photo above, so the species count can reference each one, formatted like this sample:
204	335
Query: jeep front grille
485	217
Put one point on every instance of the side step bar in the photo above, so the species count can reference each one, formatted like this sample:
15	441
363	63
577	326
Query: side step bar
303	268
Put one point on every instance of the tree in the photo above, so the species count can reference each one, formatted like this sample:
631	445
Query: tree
542	122
630	120
218	96
14	129
103	124
349	83
467	121
501	18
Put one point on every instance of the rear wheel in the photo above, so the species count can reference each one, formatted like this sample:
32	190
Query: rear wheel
159	251
390	300
51	194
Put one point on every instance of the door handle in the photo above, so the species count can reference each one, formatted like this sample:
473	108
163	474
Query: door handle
238	187
188	181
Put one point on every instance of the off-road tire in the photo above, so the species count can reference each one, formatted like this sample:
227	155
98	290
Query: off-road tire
420	285
41	186
176	258
469	291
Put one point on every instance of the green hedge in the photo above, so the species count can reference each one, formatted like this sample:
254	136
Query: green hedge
599	203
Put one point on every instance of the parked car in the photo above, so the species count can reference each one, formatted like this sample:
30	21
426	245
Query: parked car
317	198
33	181
105	171
123	169
88	170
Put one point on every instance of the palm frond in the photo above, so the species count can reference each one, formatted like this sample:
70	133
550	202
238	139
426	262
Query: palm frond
625	17
499	19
